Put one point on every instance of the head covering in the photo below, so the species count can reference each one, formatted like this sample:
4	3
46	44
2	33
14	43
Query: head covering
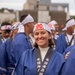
53	22
40	26
52	27
21	28
69	23
6	27
15	26
28	19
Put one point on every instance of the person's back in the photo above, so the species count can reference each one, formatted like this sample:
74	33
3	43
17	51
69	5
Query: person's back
20	44
61	44
21	41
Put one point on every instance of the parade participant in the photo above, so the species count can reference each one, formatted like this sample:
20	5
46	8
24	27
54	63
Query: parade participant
5	31
53	22
7	62
66	39
21	42
52	27
42	60
69	65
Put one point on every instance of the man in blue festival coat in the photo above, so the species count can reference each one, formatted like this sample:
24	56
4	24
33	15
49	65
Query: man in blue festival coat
5	31
66	39
7	62
21	41
69	65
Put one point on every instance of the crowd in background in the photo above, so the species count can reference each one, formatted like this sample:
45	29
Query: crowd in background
29	48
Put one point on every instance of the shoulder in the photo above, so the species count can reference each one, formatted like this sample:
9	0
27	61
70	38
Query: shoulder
69	49
20	35
27	55
61	35
28	52
20	38
72	53
59	56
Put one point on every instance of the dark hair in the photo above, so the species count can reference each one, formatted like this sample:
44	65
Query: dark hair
5	23
69	19
23	17
51	43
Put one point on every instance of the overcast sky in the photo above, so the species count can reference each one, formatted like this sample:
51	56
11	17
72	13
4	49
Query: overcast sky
18	4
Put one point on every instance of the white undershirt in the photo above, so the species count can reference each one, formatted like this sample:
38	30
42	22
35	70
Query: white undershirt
3	40
69	38
43	52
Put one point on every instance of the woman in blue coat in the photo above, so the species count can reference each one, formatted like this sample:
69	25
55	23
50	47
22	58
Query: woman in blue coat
42	60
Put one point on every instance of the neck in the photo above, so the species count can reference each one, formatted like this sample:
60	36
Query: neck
43	47
26	31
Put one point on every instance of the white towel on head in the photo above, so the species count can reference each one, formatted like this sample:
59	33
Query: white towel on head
53	22
69	23
28	19
21	28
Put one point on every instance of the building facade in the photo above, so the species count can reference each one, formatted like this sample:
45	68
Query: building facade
7	15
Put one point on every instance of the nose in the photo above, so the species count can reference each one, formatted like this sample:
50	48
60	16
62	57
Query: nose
39	35
7	34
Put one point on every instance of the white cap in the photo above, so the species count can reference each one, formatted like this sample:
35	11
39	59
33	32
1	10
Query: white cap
15	26
41	26
52	27
28	19
6	27
69	23
20	28
53	22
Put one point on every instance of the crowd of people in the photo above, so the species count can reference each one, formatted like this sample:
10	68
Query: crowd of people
29	48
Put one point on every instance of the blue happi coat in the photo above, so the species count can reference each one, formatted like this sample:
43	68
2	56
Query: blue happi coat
68	49
69	66
20	44
61	44
27	64
7	62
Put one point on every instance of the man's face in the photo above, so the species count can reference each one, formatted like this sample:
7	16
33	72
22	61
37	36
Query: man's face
5	33
71	29
56	27
30	27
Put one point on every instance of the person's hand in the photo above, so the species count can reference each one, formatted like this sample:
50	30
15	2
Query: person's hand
67	54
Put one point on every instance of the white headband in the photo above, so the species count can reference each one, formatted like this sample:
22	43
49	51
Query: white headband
53	22
28	19
6	27
40	26
69	23
15	26
21	28
52	27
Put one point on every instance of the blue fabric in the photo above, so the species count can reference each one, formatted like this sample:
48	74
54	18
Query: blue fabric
69	66
0	42
27	64
61	44
6	59
68	49
20	44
